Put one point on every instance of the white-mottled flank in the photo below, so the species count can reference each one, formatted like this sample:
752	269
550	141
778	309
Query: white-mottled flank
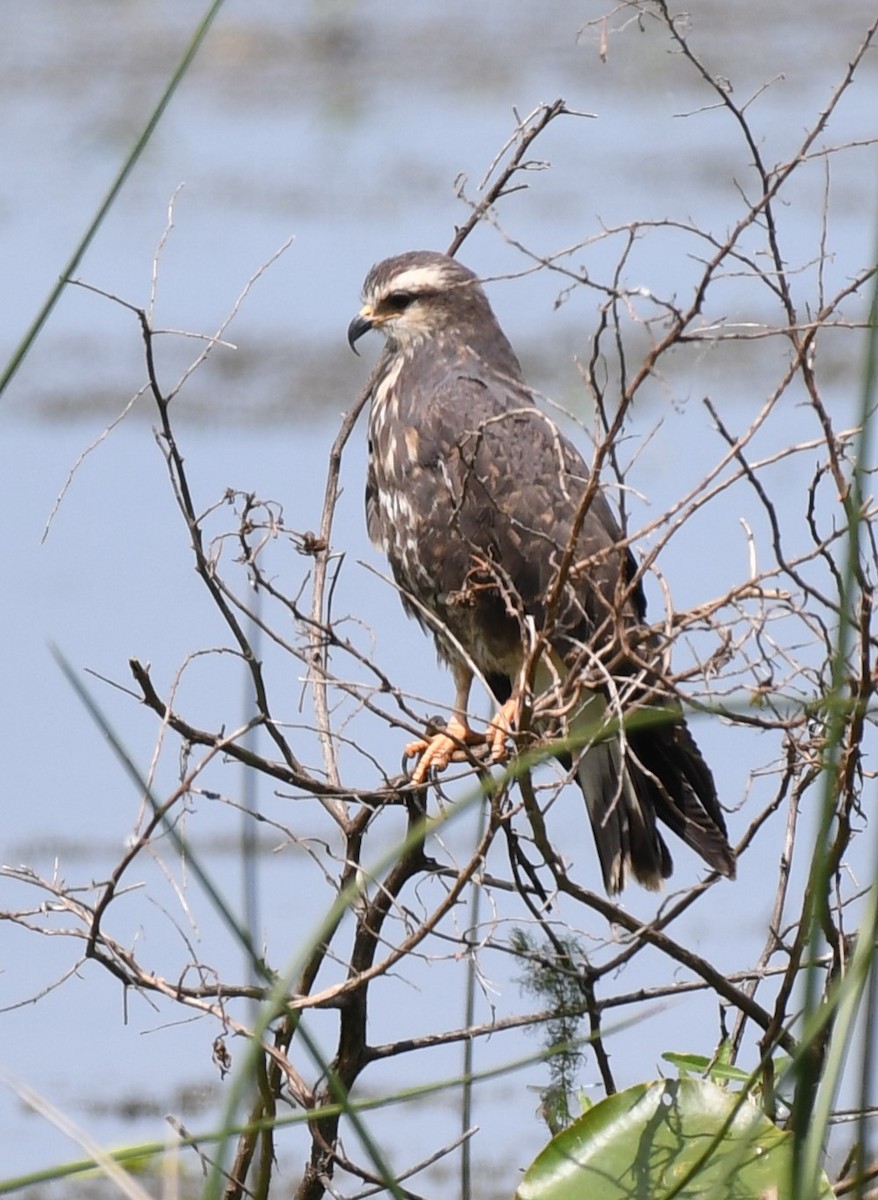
399	530
396	507
385	390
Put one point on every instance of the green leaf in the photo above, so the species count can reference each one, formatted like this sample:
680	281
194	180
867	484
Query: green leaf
680	1138
691	1064
700	1064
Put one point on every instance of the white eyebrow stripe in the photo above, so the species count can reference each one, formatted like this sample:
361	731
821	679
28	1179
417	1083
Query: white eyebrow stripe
416	279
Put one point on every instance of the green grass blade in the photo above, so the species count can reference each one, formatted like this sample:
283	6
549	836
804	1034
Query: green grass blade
109	199
811	1126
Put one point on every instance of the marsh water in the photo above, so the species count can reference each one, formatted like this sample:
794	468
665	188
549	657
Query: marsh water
347	128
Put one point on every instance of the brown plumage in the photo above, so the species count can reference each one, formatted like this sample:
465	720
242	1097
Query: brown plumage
473	493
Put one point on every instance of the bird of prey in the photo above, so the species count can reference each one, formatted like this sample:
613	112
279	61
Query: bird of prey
506	551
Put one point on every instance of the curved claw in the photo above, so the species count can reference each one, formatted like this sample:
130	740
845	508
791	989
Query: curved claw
438	750
501	728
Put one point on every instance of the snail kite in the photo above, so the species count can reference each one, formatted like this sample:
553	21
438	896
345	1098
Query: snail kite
506	551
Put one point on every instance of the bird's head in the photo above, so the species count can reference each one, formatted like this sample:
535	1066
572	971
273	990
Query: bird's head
418	296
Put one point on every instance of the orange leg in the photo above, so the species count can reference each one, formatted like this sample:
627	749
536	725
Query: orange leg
438	750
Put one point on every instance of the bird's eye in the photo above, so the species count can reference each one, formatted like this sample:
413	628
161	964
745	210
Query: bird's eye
399	301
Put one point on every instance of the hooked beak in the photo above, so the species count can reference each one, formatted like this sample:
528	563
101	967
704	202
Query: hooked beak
361	324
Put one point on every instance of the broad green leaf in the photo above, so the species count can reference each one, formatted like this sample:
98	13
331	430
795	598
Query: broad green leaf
645	1142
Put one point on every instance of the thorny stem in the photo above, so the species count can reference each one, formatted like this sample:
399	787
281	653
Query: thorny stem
320	619
528	131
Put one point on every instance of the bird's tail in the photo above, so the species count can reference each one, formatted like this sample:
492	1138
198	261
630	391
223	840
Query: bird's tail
632	779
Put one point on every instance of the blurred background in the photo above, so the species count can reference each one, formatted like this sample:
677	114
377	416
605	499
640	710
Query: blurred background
346	128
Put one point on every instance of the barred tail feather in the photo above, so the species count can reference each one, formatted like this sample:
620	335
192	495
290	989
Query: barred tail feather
683	791
624	827
660	776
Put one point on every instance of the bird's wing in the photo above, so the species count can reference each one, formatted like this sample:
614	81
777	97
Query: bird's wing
490	476
519	476
475	491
